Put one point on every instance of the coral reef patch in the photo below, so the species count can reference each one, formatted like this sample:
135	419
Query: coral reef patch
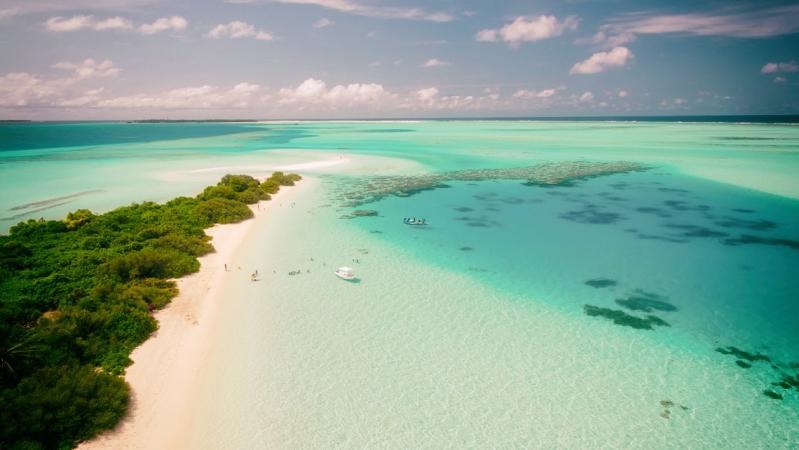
600	283
646	301
621	318
366	190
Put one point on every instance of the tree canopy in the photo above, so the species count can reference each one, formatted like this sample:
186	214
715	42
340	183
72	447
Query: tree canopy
76	297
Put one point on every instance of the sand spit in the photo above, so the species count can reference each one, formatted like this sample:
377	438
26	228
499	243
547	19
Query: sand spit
165	368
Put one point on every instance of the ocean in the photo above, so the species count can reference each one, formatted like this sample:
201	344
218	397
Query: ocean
652	306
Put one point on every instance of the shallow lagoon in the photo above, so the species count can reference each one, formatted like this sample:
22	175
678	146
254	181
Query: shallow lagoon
473	330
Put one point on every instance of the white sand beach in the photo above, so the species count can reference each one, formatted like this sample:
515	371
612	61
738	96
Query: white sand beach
165	367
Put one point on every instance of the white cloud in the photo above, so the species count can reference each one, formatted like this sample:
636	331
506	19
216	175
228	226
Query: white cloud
238	29
674	103
200	97
529	29
375	64
607	37
780	79
622	93
76	23
487	36
427	94
356	93
528	94
431	99
384	12
9	12
87	98
89	68
752	23
176	23
755	23
316	92
20	7
113	23
599	62
21	89
433	62
310	89
322	23
780	67
587	97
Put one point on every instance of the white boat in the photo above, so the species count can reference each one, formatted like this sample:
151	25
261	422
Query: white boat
414	221
345	273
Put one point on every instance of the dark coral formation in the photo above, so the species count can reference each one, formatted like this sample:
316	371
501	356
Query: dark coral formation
360	213
600	283
621	185
621	318
759	225
655	237
771	394
590	215
788	382
646	301
361	191
676	190
657	321
745	239
695	230
479	221
743	354
679	205
652	210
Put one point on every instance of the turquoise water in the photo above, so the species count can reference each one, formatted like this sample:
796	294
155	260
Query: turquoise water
664	233
490	296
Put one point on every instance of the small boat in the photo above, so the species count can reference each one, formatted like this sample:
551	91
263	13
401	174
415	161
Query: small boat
414	221
345	273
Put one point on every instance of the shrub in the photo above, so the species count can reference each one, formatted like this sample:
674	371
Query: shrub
58	407
76	297
219	210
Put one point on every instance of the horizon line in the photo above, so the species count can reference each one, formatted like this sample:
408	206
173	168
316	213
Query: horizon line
791	118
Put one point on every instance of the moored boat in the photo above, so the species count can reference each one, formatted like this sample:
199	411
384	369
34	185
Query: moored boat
345	273
414	221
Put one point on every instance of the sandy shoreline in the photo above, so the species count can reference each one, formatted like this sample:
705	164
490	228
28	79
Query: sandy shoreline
165	367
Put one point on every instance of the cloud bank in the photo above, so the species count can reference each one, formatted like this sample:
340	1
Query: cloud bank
362	9
60	24
528	29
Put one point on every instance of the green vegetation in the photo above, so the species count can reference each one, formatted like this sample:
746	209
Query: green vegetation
76	297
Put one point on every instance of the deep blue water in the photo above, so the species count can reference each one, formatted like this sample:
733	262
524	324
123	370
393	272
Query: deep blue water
39	135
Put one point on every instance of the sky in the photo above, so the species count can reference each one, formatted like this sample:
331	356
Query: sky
295	59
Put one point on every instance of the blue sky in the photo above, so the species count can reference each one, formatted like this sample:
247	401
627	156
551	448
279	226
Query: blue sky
73	59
